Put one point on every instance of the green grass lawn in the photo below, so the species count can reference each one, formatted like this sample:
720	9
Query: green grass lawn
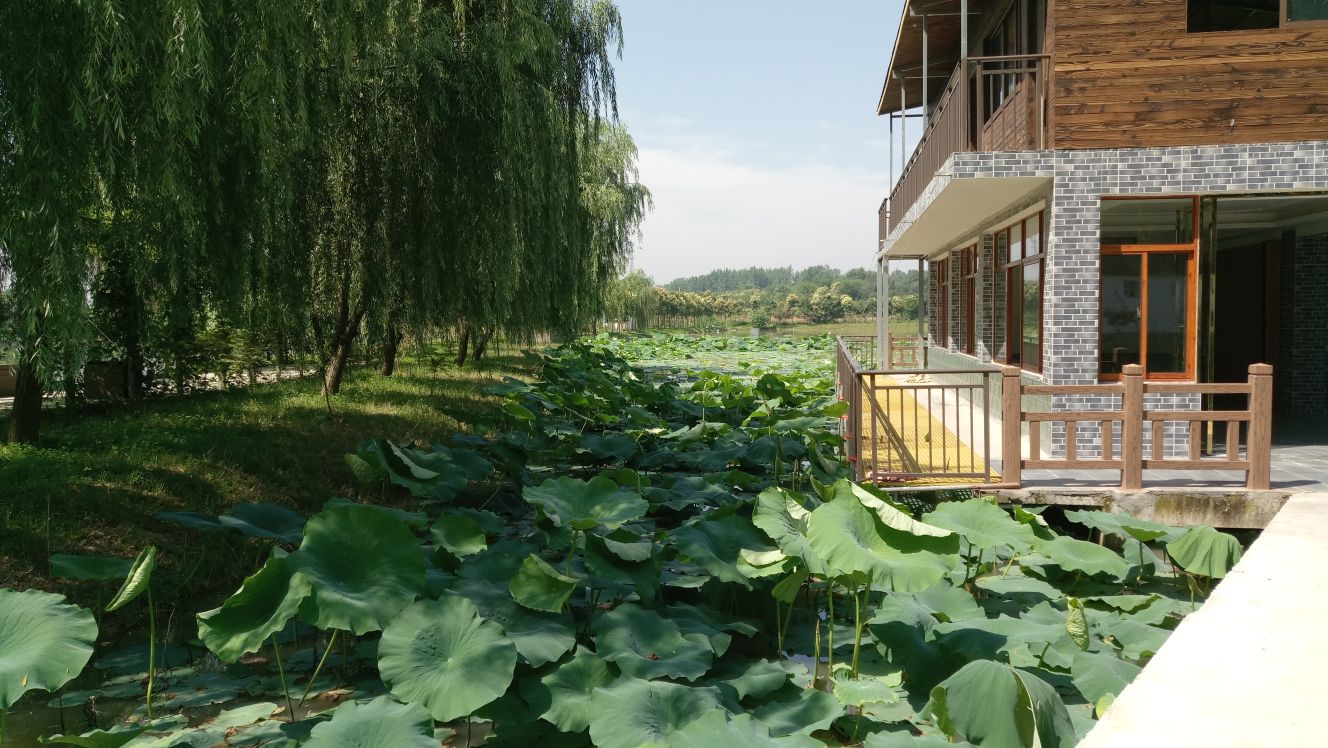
103	473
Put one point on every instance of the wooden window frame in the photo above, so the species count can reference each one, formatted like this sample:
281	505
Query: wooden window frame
942	270
968	284
1286	23
1014	333
1191	250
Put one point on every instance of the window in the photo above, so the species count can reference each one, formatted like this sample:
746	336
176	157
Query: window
1147	286
1026	244
942	270
1019	32
968	271
1244	15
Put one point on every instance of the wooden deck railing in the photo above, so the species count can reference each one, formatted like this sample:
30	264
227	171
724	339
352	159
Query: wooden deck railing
1121	431
960	123
906	351
906	425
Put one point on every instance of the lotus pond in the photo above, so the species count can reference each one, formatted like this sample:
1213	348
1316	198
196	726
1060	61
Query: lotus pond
659	548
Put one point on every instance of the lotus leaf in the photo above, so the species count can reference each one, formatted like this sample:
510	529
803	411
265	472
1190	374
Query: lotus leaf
636	713
603	562
582	505
754	678
381	723
459	535
564	695
443	655
853	541
863	691
44	642
997	706
715	544
891	515
137	580
792	711
645	645
362	565
786	521
97	568
265	520
96	738
982	524
715	728
262	606
1076	622
1123	525
1205	551
539	586
908	740
1100	674
1080	555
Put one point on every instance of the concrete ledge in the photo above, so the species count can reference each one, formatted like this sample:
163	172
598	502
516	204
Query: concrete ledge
1247	668
1234	508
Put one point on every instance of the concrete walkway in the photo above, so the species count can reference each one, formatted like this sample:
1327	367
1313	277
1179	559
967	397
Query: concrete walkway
1248	668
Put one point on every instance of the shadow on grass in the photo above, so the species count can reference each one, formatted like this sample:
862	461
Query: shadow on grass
102	475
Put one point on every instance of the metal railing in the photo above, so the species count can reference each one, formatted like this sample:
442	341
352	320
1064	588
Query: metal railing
996	103
946	425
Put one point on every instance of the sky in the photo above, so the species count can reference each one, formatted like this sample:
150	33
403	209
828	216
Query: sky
757	128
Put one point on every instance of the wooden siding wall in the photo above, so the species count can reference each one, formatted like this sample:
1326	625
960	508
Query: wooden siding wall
1126	74
1011	127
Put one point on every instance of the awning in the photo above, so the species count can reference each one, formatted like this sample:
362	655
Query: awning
942	51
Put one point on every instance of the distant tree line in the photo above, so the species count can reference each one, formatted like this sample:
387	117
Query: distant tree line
187	186
761	296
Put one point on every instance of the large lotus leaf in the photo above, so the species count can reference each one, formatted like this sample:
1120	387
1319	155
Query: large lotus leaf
99	568
909	740
260	608
425	474
563	696
1019	587
459	535
708	623
443	655
381	723
194	521
636	713
1122	525
265	520
715	728
862	691
755	678
716	544
609	446
1205	551
1080	555
96	738
583	505
416	520
851	540
1099	674
605	559
792	710
786	521
982	524
645	645
44	642
363	567
997	706
539	637
1136	640
539	586
890	514
137	580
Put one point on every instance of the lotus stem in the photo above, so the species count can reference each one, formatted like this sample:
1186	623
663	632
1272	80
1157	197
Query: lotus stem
830	635
152	648
816	656
857	631
326	651
570	552
788	619
281	672
4	717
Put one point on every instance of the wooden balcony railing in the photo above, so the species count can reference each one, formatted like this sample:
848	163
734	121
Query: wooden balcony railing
996	103
946	425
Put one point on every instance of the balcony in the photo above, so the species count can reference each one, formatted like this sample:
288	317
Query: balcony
995	103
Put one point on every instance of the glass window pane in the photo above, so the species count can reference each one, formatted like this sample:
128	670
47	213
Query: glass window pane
1013	308
1162	221
1307	10
1232	15
1122	311
1017	242
1031	336
1168	318
1033	235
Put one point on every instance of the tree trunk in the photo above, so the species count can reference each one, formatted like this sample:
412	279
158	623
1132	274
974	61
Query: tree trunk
481	344
25	418
463	346
343	342
391	344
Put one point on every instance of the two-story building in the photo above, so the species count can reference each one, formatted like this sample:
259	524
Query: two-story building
1108	182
